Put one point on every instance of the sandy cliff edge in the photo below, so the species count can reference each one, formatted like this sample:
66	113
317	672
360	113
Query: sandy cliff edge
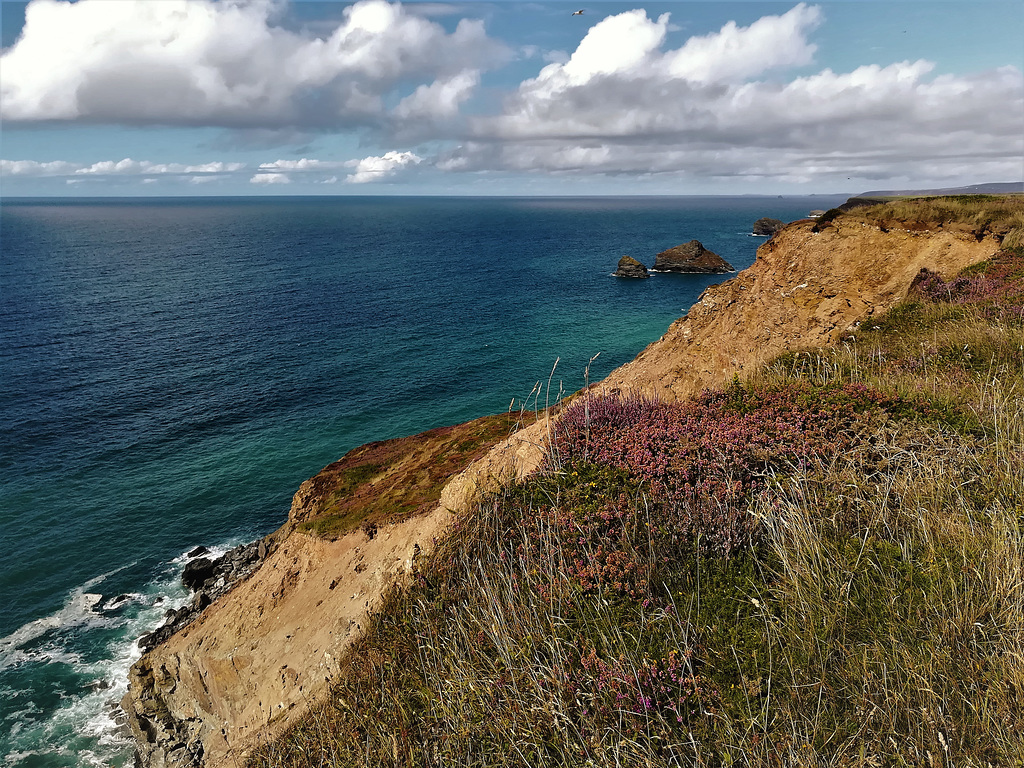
261	654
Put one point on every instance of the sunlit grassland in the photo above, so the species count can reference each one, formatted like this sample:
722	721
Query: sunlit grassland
823	565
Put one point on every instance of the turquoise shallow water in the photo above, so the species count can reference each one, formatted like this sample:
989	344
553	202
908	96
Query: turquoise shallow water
173	369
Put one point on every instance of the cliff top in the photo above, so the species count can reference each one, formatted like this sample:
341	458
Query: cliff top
388	481
804	565
678	562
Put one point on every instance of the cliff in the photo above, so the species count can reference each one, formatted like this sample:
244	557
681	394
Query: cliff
258	656
806	289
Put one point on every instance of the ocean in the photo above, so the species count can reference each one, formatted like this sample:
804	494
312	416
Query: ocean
172	369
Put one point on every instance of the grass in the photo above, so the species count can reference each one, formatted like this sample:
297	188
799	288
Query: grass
821	566
391	480
979	215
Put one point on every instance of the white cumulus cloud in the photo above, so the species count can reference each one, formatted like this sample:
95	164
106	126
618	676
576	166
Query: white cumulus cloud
270	178
376	168
440	99
735	52
303	164
35	168
200	62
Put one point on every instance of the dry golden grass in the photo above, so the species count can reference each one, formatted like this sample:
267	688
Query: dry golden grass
877	620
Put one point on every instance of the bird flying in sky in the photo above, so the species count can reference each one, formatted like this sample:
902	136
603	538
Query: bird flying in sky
578	13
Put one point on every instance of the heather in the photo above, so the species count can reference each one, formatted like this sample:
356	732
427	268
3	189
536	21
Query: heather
995	287
822	565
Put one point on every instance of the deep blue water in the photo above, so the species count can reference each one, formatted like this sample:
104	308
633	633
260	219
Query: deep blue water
172	370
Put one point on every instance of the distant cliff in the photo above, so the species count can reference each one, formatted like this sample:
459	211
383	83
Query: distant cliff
260	654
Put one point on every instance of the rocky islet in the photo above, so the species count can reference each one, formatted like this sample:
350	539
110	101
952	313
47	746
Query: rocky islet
630	267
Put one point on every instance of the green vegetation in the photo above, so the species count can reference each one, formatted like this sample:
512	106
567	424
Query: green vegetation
981	215
390	480
821	566
996	214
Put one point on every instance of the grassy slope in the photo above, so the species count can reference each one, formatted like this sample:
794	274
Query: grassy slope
821	566
390	480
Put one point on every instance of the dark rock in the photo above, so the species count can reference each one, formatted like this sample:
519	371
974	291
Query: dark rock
197	573
630	267
691	258
767	227
197	552
117	602
208	579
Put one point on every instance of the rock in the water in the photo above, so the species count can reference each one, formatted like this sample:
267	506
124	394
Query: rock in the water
197	572
691	257
630	267
208	579
768	227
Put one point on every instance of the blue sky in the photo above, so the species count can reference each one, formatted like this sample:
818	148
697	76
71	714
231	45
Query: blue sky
249	97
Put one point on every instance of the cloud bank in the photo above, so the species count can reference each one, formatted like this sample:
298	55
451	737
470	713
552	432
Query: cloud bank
199	62
741	103
125	167
717	107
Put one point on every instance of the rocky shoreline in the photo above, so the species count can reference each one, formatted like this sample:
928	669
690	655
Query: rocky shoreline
163	738
207	579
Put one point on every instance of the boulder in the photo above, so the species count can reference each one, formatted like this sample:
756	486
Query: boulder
691	258
197	573
767	227
208	579
630	267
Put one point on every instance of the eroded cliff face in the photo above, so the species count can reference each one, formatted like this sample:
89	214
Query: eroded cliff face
262	653
239	672
805	290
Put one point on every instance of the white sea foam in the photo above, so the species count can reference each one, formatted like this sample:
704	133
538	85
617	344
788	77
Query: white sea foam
88	726
76	611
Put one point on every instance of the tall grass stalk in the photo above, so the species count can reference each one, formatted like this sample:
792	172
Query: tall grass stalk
834	576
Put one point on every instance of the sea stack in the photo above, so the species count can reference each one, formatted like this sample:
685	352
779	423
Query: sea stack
691	258
766	226
630	267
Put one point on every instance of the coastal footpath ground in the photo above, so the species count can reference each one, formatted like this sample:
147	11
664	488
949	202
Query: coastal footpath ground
257	659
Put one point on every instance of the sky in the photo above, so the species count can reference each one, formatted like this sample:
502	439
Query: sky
315	97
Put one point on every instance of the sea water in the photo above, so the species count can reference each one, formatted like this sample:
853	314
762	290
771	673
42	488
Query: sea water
171	370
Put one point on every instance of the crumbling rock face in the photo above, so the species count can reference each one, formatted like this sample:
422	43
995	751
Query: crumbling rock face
163	738
247	665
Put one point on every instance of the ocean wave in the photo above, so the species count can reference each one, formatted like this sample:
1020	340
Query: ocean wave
95	637
76	611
